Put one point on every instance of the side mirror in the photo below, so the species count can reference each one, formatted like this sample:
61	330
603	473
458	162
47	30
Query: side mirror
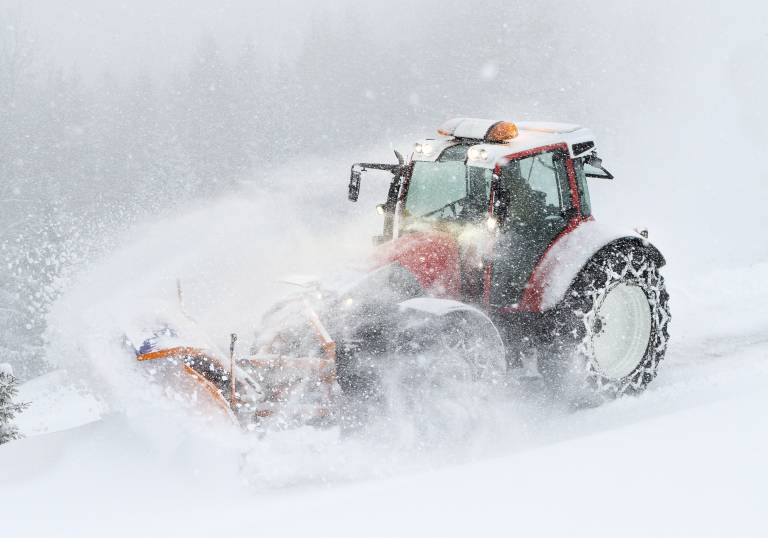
594	160
354	184
593	167
359	168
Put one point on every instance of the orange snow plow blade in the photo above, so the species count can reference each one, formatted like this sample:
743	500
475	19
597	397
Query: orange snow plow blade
185	355
265	384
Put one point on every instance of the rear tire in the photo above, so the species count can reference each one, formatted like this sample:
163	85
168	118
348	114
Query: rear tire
612	329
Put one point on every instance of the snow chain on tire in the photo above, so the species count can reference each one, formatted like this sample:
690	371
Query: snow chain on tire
628	265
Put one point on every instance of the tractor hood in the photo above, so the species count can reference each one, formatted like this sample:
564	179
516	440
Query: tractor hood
432	258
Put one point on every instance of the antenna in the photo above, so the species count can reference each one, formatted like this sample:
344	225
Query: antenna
232	340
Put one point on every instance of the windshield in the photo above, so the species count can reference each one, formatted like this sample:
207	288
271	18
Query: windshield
447	190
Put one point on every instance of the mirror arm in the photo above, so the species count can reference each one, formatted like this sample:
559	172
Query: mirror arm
357	170
394	168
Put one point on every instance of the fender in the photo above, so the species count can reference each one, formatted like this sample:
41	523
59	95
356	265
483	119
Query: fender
567	256
440	307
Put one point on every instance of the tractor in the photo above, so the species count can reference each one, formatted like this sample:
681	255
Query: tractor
490	269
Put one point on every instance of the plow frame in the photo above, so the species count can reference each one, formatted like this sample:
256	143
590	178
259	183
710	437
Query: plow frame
222	379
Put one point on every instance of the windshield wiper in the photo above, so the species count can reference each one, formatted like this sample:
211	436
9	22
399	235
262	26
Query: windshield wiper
443	208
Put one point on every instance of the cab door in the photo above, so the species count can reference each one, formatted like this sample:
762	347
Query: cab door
532	206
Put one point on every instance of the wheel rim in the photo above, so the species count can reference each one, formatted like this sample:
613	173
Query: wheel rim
622	330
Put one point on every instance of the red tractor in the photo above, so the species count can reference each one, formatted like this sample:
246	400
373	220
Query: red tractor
490	267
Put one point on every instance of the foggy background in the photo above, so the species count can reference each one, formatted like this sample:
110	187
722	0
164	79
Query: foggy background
112	113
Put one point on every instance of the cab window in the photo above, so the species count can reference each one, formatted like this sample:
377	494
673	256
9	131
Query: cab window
447	190
533	189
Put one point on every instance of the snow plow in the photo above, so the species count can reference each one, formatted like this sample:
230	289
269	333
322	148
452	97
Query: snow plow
490	269
261	386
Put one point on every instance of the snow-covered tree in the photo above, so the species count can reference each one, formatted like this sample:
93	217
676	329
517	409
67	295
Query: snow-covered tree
8	409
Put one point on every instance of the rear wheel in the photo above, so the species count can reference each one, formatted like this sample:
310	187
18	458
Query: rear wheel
612	329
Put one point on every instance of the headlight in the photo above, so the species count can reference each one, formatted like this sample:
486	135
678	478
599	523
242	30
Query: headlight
423	148
477	154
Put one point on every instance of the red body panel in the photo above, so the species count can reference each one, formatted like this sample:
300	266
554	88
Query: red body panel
432	257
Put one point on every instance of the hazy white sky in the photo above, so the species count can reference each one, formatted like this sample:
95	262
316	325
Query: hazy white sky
95	33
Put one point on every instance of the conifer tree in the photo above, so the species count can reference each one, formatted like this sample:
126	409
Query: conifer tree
8	409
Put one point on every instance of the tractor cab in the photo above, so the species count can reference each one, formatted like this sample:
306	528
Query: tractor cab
502	191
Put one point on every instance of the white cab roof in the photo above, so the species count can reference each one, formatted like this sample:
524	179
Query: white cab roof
531	135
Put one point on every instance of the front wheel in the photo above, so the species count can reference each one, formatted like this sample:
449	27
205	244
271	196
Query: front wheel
441	358
613	326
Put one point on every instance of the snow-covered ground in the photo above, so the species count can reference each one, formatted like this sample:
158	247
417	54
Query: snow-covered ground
108	454
685	459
